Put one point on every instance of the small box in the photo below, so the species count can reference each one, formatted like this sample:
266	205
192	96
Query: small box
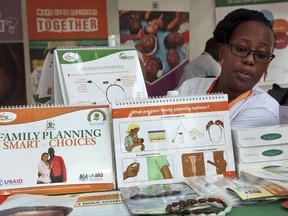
260	136
259	165
260	147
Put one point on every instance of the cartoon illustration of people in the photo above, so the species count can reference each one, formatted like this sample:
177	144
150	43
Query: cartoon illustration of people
158	168
132	142
44	169
58	171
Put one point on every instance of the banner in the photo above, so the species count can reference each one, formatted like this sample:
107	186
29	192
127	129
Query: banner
62	23
12	74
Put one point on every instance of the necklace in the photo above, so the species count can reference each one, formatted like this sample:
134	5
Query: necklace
182	207
163	194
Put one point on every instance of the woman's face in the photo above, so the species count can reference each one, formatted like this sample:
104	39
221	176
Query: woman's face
240	74
45	157
172	58
153	26
175	38
148	43
151	69
5	84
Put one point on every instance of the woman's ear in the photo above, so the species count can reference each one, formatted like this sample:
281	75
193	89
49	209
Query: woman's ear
221	51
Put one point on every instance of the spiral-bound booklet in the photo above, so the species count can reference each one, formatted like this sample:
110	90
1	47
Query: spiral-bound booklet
56	149
169	139
96	75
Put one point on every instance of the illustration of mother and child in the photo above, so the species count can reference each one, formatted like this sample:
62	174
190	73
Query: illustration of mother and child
51	168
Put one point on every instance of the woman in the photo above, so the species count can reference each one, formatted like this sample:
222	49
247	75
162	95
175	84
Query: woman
247	42
44	169
130	140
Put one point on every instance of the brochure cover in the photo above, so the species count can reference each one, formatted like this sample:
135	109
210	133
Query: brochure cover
97	75
160	140
55	149
96	203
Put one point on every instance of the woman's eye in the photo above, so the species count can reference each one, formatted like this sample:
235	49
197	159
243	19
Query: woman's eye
242	49
261	55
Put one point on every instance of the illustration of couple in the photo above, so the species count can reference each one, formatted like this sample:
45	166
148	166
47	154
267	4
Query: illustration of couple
51	168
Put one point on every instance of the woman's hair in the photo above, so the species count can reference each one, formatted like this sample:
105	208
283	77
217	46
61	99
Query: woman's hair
12	64
132	127
226	26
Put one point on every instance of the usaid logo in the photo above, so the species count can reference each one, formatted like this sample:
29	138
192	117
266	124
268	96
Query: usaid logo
7	116
70	57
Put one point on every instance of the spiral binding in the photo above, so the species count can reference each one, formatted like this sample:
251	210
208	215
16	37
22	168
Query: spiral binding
164	99
94	47
40	106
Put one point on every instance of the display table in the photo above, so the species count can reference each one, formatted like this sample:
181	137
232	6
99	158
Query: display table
107	204
269	209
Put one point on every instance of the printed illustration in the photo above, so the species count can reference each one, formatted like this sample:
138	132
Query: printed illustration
132	143
219	162
193	164
131	171
215	130
158	168
162	40
151	168
112	91
58	168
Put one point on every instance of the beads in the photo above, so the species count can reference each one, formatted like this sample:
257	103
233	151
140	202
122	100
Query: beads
181	207
164	194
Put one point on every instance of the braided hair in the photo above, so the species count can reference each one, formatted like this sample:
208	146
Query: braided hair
226	26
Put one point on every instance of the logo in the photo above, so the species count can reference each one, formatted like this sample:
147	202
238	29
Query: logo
96	116
272	152
271	136
124	56
90	177
50	125
4	182
7	117
70	57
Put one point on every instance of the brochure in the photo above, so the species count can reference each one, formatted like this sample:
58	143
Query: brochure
96	75
55	149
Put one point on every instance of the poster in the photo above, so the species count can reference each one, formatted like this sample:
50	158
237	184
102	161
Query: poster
62	23
160	33
276	12
12	75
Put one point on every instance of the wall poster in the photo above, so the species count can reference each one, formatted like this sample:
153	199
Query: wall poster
12	73
160	33
62	23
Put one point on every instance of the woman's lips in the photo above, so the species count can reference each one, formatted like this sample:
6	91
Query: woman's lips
244	75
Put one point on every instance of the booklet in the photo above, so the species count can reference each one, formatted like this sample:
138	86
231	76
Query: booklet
96	75
56	149
168	139
268	183
96	203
